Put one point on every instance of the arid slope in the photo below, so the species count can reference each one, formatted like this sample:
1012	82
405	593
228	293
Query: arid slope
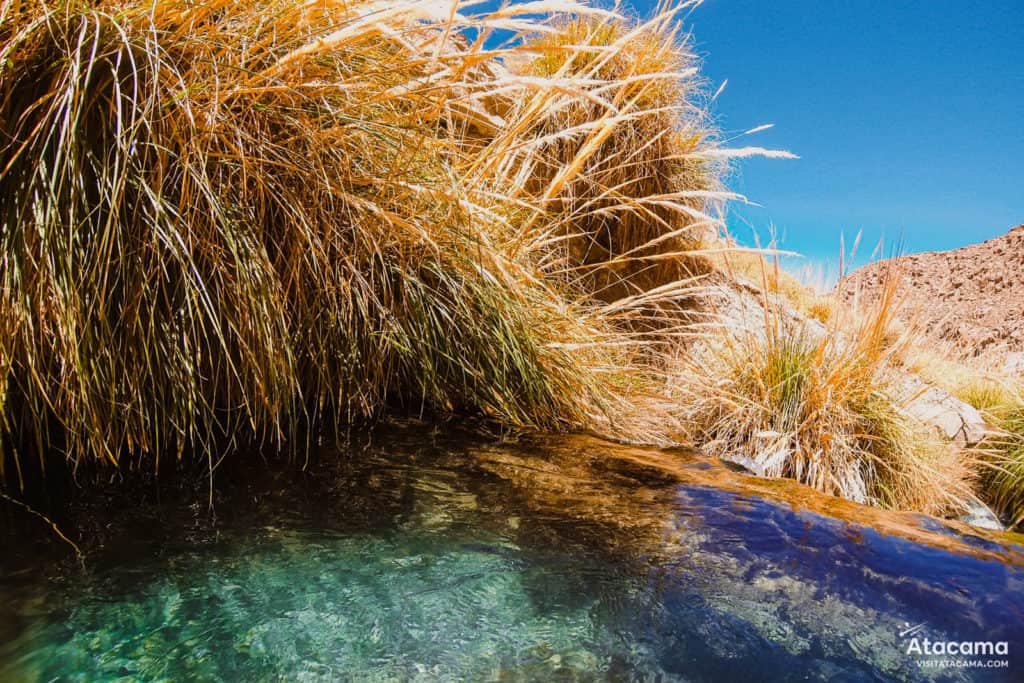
972	297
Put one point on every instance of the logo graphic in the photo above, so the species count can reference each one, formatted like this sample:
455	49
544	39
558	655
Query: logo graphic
910	629
953	654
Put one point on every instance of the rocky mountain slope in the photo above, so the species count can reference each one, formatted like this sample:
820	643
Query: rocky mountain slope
972	297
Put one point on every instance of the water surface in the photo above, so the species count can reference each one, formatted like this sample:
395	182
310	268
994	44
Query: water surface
419	556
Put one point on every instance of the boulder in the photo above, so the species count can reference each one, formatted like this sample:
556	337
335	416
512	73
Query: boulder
739	308
953	419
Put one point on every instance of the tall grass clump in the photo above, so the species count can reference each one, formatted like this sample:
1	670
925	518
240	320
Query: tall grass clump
230	221
1003	482
1000	399
790	399
623	166
979	385
995	397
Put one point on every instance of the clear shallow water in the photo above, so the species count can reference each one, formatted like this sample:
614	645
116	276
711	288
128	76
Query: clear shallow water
420	557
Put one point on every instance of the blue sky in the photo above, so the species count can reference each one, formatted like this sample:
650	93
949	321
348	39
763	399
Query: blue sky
907	116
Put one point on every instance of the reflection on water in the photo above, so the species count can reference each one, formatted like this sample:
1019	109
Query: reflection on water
421	557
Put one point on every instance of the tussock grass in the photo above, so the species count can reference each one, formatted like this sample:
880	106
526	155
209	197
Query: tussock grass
626	197
994	397
791	400
1002	452
235	223
1000	399
223	222
945	366
1003	484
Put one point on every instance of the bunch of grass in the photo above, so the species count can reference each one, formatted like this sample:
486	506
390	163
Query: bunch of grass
945	365
812	403
1003	482
993	396
226	221
1005	485
624	163
1000	400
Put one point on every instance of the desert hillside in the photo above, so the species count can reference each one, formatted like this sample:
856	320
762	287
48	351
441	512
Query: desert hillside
971	297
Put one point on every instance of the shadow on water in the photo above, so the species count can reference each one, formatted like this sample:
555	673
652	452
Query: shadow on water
427	556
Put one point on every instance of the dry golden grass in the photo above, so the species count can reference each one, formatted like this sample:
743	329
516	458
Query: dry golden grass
1003	483
941	366
1000	400
625	198
978	383
236	223
822	308
228	222
791	400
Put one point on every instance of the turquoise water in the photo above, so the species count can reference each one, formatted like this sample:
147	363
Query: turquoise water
423	558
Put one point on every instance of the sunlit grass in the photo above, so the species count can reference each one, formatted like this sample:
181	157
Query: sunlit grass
233	223
1002	485
1004	482
224	223
817	405
761	268
626	170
